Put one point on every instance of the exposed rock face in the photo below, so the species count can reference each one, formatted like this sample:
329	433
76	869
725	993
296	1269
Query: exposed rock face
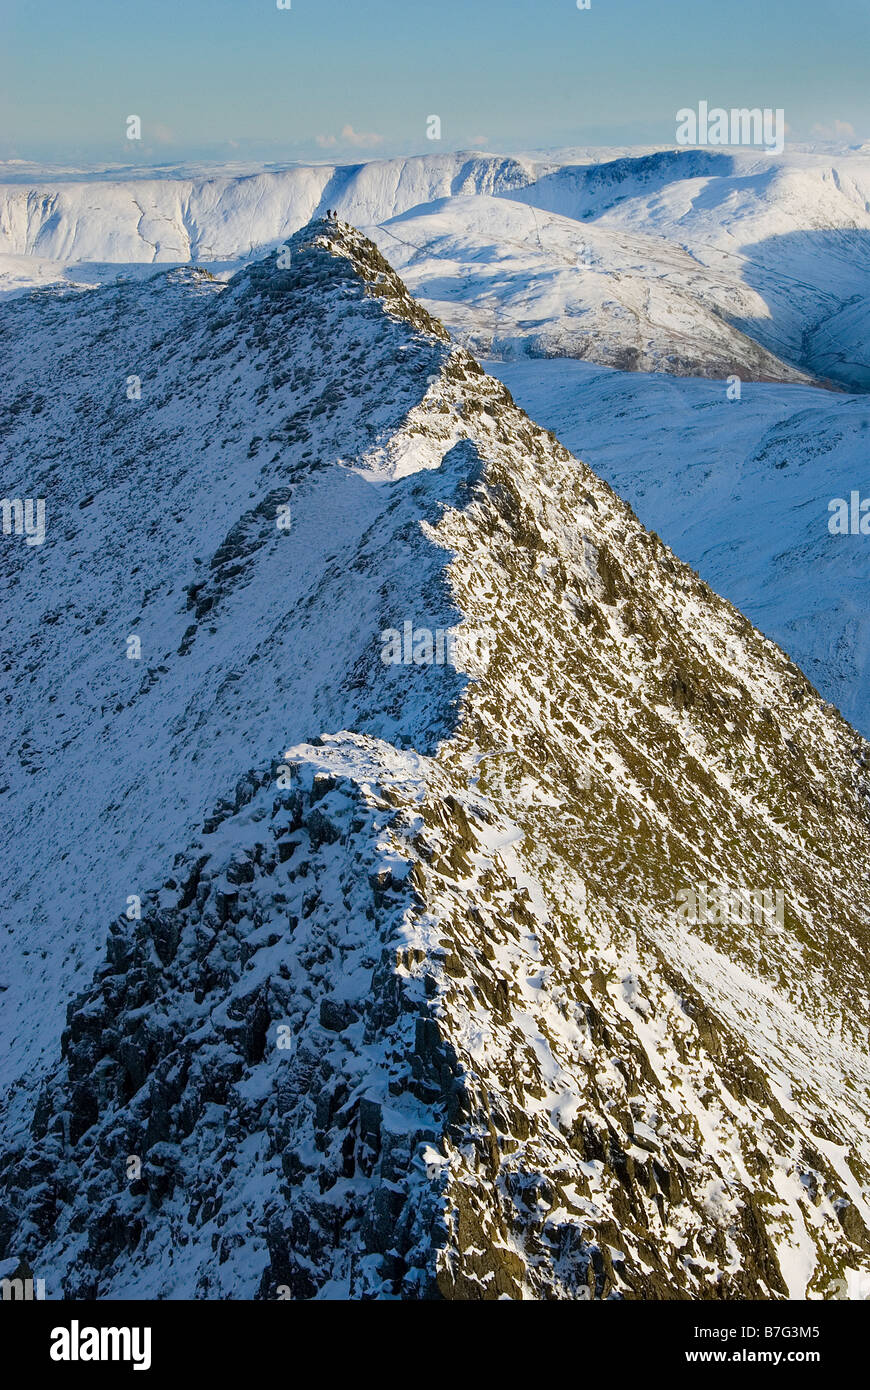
445	1002
230	1029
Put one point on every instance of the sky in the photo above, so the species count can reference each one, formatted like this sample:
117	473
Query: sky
355	79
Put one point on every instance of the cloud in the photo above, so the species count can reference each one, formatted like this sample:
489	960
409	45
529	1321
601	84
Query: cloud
478	141
162	134
840	130
359	139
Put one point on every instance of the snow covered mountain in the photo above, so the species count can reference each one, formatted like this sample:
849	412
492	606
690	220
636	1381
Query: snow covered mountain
529	965
688	261
684	262
511	280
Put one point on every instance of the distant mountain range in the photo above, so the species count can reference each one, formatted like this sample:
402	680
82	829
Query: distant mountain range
693	262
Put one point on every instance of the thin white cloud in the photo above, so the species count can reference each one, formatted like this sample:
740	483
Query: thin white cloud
359	139
840	130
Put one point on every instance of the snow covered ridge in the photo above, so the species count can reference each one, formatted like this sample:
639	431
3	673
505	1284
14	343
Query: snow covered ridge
514	1070
696	262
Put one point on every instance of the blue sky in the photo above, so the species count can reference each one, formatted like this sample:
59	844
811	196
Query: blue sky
349	79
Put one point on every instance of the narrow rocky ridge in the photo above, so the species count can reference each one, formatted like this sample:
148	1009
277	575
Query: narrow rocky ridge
514	1070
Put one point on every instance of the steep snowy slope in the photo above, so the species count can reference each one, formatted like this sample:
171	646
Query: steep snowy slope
227	217
740	489
508	280
432	994
154	510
